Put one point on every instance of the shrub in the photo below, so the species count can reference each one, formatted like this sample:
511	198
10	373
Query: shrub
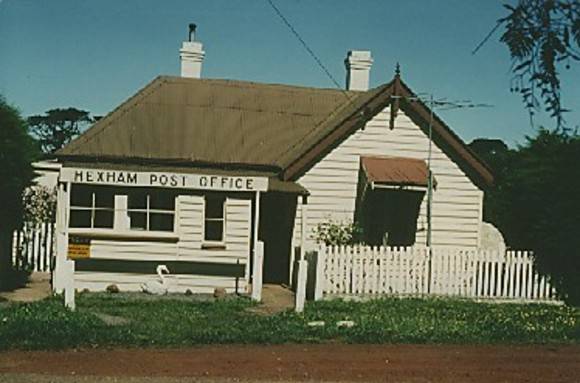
334	233
39	205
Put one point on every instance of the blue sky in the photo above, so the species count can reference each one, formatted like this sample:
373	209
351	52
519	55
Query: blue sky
95	54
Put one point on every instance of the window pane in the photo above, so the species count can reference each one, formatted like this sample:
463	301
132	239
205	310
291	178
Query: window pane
214	230
162	222
162	200
104	218
80	218
138	221
214	207
104	197
137	199
81	195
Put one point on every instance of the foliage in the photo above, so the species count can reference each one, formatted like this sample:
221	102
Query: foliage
17	151
179	321
57	127
39	204
541	35
333	233
535	204
498	157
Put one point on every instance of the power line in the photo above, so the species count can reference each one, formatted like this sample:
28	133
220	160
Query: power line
305	45
486	38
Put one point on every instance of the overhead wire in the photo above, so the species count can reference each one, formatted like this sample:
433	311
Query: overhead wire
307	48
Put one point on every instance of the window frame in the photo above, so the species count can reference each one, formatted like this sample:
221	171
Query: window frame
148	211
92	209
209	242
121	213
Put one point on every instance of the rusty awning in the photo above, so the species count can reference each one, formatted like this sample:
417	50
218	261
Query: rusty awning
395	171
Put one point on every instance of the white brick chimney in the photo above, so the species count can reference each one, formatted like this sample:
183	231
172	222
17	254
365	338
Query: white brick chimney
358	68
192	55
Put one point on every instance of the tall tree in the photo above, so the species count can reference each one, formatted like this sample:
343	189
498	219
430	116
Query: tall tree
498	156
543	36
536	206
57	127
17	151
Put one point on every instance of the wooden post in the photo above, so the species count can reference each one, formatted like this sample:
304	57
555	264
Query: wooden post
301	285
303	221
256	218
69	289
320	274
257	271
258	261
61	272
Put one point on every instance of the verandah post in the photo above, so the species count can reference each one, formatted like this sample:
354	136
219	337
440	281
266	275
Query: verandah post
64	269
303	226
258	260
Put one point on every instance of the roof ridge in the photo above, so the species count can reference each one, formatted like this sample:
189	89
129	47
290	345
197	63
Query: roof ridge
232	82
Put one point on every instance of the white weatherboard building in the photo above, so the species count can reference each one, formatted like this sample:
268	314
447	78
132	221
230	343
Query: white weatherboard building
196	173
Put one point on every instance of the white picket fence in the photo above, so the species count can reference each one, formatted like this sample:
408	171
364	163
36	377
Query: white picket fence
33	247
344	270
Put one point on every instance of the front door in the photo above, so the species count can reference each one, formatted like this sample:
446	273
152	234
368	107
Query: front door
278	211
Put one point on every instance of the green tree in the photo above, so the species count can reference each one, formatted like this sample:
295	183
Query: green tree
536	206
57	127
496	154
17	151
542	36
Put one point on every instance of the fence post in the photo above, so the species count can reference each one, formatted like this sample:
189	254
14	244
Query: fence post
301	285
15	250
257	271
320	265
69	288
430	279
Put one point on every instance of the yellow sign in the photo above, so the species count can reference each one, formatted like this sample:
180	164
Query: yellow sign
79	248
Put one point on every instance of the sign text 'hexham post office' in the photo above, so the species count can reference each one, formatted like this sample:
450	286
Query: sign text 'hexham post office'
168	180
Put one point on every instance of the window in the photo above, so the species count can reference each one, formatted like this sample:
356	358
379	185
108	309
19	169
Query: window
151	210
106	207
92	207
214	221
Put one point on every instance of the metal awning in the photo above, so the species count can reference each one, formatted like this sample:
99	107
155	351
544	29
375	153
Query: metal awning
395	172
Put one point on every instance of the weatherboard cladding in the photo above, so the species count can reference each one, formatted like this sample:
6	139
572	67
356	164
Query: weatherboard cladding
333	183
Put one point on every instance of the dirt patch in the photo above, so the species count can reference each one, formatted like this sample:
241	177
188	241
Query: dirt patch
336	362
275	299
36	288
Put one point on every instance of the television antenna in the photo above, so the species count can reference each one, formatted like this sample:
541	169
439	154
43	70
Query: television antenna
442	104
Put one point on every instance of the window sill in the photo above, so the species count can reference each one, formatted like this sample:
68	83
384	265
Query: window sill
213	246
125	235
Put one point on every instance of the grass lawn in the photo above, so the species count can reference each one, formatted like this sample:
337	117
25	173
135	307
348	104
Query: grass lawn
135	320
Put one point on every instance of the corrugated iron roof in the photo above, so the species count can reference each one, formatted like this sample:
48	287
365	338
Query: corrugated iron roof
212	121
398	171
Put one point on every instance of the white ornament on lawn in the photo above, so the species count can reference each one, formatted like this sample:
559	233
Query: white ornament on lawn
157	287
